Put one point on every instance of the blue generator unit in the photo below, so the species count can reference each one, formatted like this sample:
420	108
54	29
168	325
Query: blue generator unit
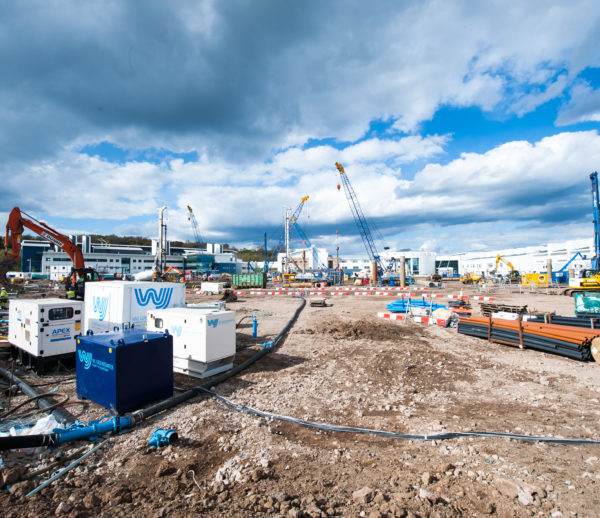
125	369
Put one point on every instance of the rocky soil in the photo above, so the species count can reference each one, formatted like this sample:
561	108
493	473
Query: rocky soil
342	365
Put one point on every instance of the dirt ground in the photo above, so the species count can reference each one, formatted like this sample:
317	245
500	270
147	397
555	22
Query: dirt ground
342	365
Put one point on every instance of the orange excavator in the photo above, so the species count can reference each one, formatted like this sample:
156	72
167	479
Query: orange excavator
17	222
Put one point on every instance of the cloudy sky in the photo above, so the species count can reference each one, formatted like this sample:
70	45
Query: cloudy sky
462	125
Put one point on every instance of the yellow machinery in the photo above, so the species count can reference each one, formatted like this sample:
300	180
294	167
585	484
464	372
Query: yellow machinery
288	278
535	280
588	281
472	278
513	275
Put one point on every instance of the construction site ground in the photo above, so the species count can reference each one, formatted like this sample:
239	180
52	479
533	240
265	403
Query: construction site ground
342	365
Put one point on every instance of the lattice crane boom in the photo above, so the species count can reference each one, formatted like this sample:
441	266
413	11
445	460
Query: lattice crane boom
306	242
195	229
360	219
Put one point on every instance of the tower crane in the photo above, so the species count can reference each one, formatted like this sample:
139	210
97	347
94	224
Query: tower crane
360	220
195	229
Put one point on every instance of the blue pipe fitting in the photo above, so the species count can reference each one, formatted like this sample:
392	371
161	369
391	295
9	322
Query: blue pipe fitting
254	326
161	437
268	345
92	430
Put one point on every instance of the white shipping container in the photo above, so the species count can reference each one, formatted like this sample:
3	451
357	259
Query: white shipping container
45	327
121	304
203	339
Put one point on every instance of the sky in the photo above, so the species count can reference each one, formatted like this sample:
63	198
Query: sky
461	125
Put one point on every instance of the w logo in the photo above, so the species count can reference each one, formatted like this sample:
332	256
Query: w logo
176	330
100	306
160	300
85	358
213	322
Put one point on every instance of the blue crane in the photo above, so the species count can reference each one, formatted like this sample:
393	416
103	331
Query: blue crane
596	258
195	229
361	221
566	265
295	215
306	242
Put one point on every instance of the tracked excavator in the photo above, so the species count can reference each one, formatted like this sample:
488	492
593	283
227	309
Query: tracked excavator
513	275
18	221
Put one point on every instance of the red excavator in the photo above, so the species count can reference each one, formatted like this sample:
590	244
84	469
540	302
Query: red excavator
79	275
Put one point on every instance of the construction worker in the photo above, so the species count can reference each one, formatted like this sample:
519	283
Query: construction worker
3	299
71	293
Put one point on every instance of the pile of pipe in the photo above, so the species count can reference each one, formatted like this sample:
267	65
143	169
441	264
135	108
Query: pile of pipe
591	321
563	340
403	306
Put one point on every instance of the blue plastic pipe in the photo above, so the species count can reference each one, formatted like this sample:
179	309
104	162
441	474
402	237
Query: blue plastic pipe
254	327
93	429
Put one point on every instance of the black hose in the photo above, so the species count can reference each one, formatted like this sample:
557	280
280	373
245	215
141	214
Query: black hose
59	415
52	439
393	435
145	413
28	441
33	398
242	319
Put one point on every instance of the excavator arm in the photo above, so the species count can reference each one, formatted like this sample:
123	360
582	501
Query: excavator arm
514	274
17	223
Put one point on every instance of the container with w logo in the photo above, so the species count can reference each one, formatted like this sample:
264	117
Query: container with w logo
117	305
124	370
203	339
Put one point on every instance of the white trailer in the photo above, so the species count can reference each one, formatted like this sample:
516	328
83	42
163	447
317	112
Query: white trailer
117	305
44	329
203	339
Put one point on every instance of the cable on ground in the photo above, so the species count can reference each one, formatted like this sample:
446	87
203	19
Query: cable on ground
393	435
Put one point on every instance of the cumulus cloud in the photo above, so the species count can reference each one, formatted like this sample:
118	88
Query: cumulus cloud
78	186
241	78
246	84
583	106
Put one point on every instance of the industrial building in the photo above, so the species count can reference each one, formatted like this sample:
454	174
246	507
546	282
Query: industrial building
44	257
418	262
532	259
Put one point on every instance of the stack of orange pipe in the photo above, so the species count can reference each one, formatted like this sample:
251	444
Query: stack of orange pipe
536	335
574	335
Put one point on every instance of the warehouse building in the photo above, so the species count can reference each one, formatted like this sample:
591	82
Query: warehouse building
531	259
40	256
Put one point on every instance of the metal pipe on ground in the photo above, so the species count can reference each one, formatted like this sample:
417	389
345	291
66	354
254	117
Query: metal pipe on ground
502	332
59	415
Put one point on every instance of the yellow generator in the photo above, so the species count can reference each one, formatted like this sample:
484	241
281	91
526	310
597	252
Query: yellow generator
535	280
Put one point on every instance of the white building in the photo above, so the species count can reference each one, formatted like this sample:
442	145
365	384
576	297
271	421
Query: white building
131	259
309	258
417	262
531	259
